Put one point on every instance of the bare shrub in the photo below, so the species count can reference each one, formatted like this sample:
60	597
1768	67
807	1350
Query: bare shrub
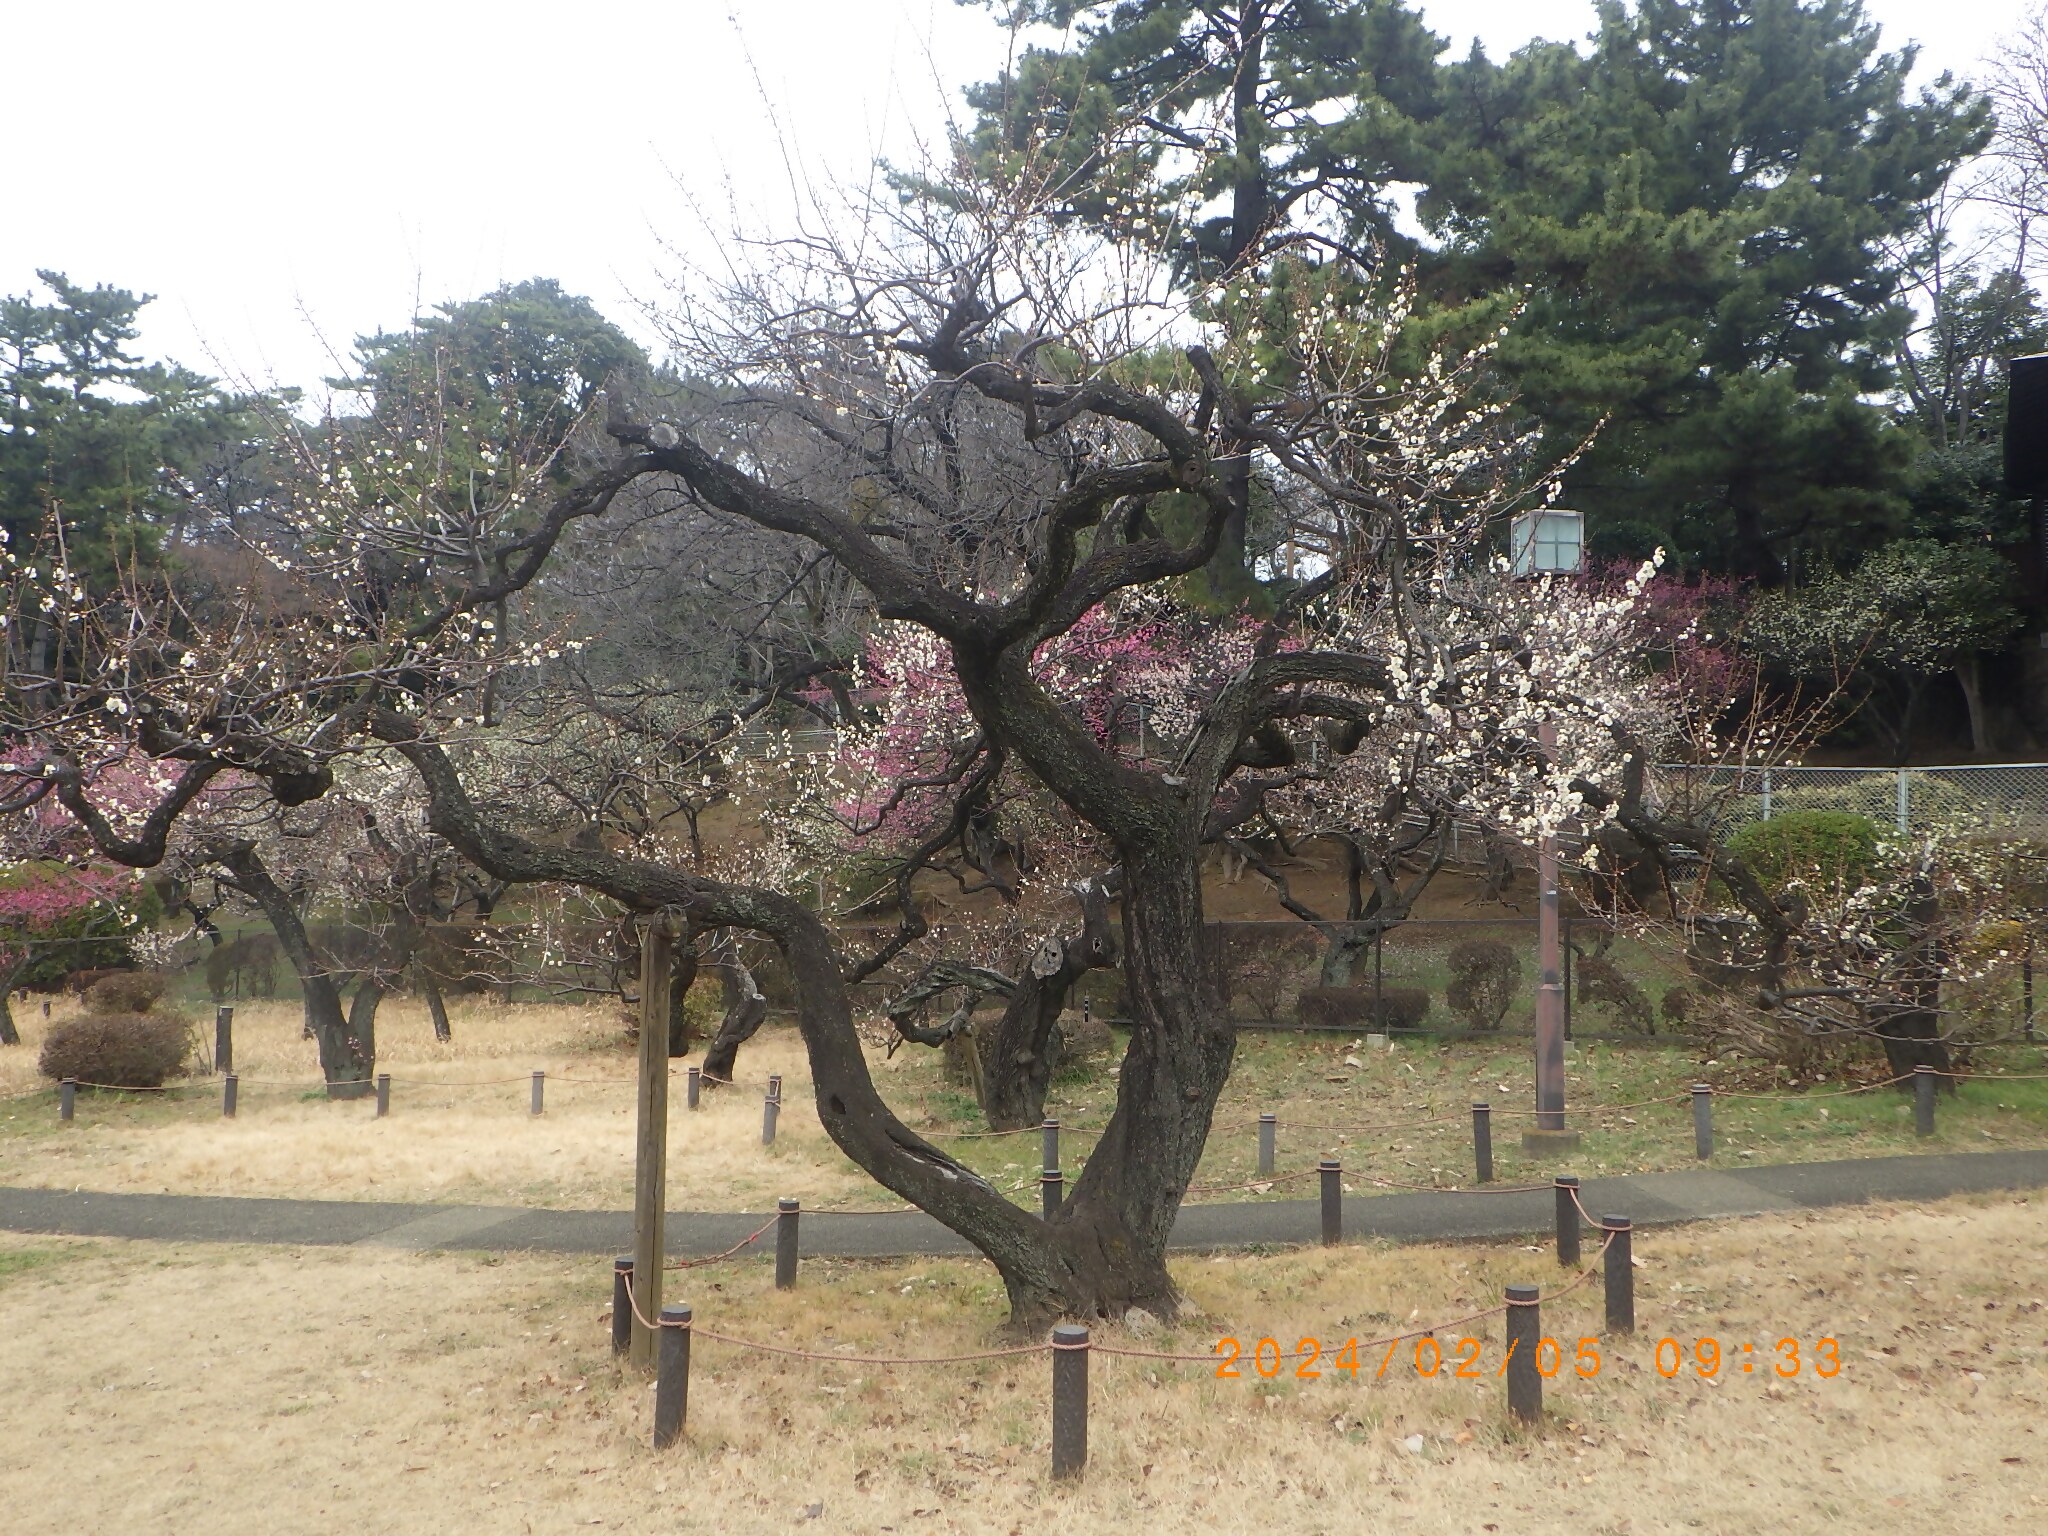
1485	977
1601	983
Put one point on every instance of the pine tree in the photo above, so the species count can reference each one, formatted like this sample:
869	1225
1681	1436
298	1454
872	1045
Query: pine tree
1706	208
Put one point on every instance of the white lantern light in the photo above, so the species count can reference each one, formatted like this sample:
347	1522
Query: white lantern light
1548	542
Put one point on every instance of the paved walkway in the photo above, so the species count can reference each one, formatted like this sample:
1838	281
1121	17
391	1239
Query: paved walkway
1648	1199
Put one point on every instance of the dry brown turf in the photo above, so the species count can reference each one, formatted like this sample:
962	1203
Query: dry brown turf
148	1388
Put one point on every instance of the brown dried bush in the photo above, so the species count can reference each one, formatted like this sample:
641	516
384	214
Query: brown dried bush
117	1050
1485	976
1351	1008
126	992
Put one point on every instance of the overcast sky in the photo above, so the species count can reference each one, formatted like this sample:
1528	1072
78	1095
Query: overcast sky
285	176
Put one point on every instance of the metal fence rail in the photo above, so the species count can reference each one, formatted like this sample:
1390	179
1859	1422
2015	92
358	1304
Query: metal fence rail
2009	798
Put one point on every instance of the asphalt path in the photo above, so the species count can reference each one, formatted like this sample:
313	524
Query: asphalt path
1647	1199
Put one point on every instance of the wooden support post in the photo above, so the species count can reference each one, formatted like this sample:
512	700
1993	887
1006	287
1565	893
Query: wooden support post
650	1172
383	1094
1620	1275
1482	1142
1567	1189
228	1093
1525	1333
1333	1200
1269	1134
672	1377
787	1214
1924	1079
622	1304
1069	1399
693	1086
540	1088
1703	1120
223	1039
771	1109
67	1099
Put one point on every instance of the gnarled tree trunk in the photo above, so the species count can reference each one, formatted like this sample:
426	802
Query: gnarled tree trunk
347	1060
1018	1054
745	1010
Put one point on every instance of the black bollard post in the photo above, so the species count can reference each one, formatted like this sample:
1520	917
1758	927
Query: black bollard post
1923	1100
223	1039
672	1377
1069	1399
693	1082
1269	1130
622	1304
67	1099
1482	1141
1333	1200
786	1212
383	1094
1525	1332
1567	1220
540	1087
229	1087
1703	1120
1049	1144
1620	1275
771	1107
1052	1189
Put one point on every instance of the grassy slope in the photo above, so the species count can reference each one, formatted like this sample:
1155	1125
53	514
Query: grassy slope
459	1129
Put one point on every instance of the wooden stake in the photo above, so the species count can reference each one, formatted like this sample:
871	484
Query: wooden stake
650	1170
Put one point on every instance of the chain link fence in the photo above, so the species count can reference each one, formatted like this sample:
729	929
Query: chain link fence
2007	798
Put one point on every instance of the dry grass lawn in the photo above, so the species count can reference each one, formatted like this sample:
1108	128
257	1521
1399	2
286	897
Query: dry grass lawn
459	1130
168	1388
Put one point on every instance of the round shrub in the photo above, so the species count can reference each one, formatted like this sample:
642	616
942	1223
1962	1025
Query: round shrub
1485	977
117	1050
1837	847
126	992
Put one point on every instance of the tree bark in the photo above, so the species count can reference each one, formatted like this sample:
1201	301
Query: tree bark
437	1005
1912	1034
682	975
346	1060
1970	674
745	1009
1018	1055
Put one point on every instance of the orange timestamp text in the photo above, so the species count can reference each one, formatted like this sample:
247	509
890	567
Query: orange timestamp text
1468	1358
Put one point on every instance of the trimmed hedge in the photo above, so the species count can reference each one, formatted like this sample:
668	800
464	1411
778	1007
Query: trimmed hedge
117	1050
1839	847
1351	1008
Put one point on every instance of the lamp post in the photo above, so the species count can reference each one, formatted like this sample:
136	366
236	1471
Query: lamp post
1550	1133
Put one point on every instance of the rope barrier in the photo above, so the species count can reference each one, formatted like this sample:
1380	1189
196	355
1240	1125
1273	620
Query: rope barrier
806	1354
1594	1220
718	1257
1830	1093
1269	1179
